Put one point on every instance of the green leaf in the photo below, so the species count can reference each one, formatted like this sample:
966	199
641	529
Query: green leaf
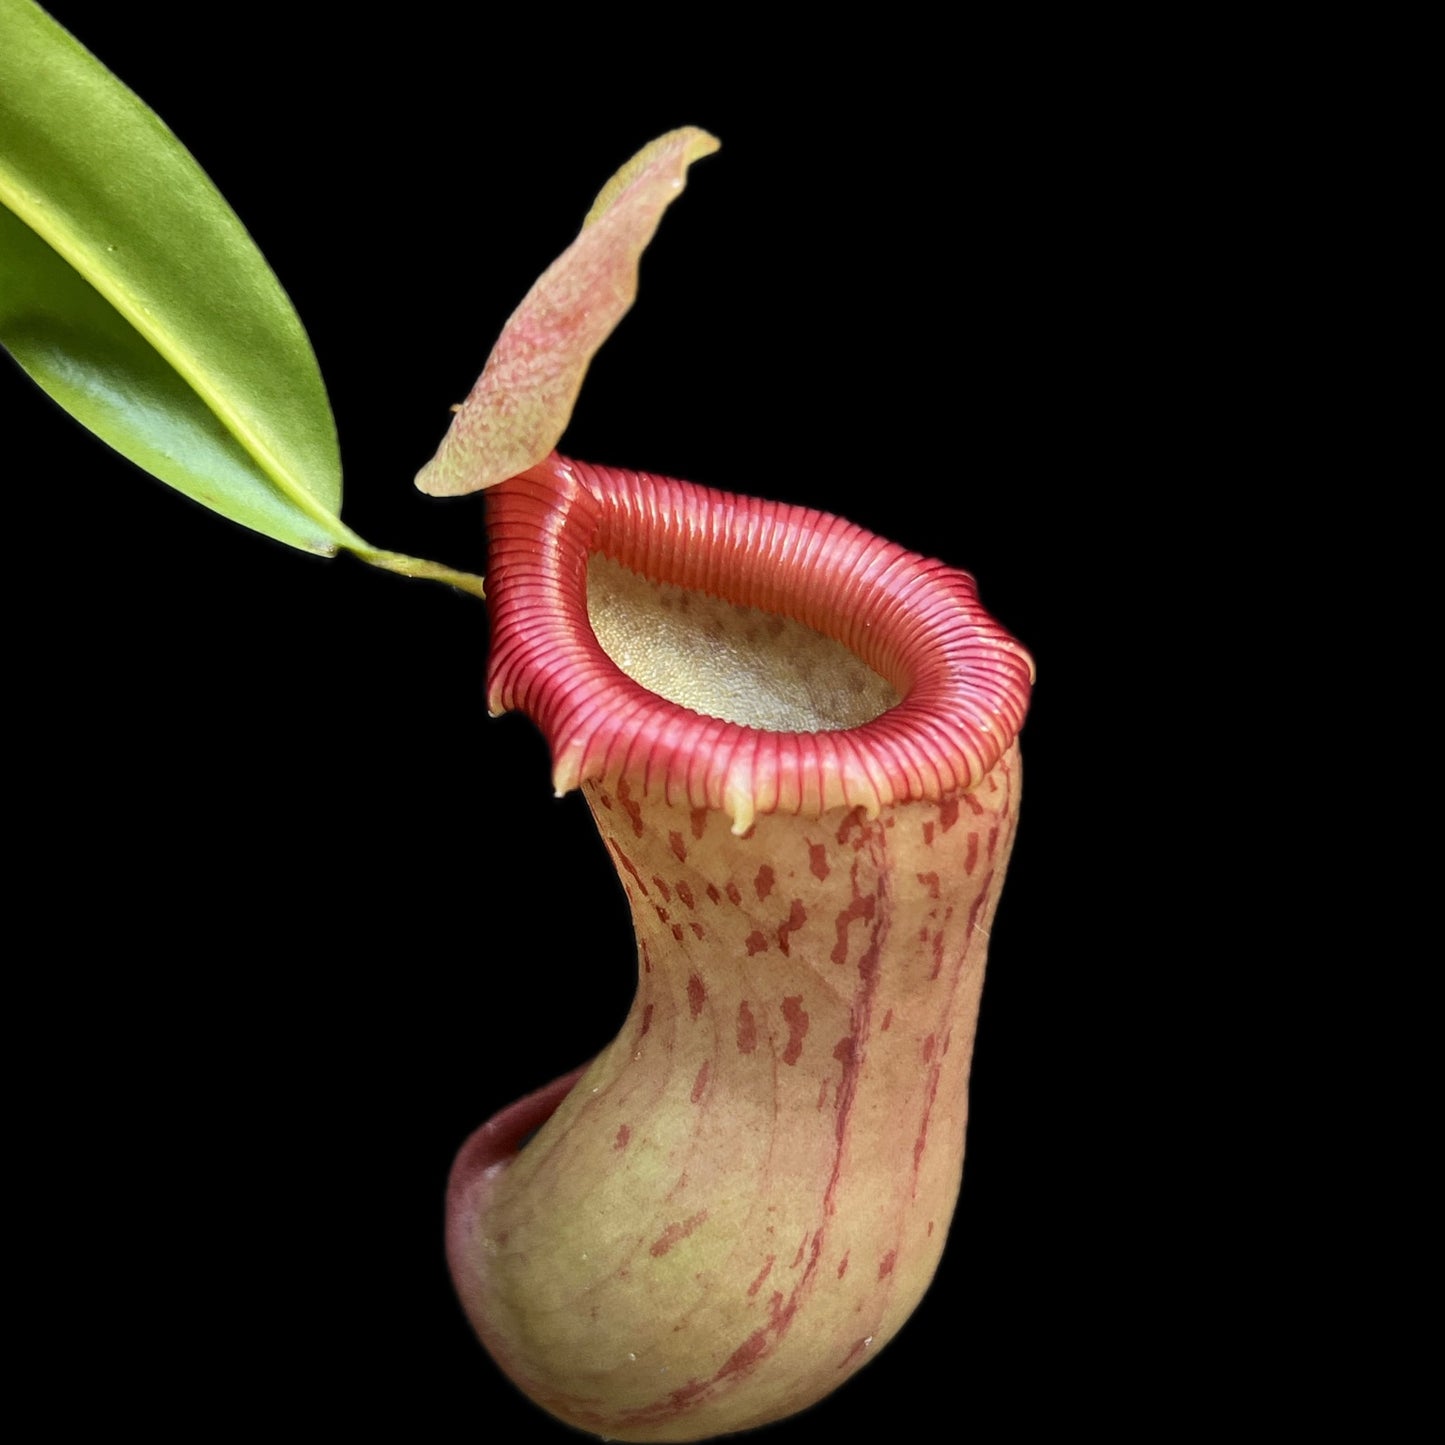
522	402
130	291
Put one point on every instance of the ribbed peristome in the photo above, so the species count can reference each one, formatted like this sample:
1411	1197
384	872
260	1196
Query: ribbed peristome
963	681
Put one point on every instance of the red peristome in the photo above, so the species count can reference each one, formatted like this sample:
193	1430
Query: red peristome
963	680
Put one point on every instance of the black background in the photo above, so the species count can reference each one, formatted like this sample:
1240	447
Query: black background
925	288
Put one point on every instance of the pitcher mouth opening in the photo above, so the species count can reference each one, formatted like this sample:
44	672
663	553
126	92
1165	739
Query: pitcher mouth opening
912	690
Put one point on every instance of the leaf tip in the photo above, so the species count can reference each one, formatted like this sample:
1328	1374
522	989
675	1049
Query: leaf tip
432	479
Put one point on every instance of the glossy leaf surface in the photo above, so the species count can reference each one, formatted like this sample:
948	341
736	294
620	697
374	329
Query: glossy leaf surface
131	292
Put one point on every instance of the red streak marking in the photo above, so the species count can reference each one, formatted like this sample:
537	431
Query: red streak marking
818	860
646	960
700	1083
937	954
929	881
734	895
685	893
631	805
677	931
858	1347
797	1020
947	1039
885	1265
930	1226
948	813
928	1046
763	1273
848	1084
713	893
699	821
743	1358
757	943
992	839
662	914
868	962
920	1143
675	1232
797	917
843	1051
746	1353
646	1020
887	1021
698	931
928	834
764	882
970	860
822	1095
696	994
860	907
628	864
623	1135
662	888
798	1258
680	1398
974	802
747	1029
978	904
678	847
853	820
843	1267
